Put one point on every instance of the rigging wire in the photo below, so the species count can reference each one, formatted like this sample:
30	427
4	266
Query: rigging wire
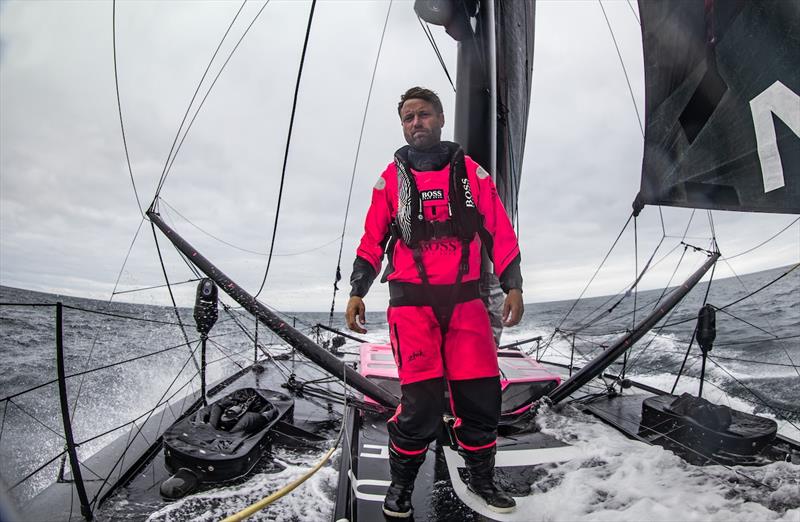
766	318
691	342
338	275
171	156
713	240
154	287
171	161
103	367
793	365
37	470
225	354
76	402
284	371
167	164
172	296
192	268
634	12
288	144
671	277
761	288
229	356
150	413
705	299
711	225
735	359
209	234
624	69
624	293
718	357
477	46
661	219
596	322
620	293
635	283
429	34
755	341
118	316
625	226
127	256
754	394
513	178
119	104
36	420
3	423
133	421
781	231
691	318
748	323
242	249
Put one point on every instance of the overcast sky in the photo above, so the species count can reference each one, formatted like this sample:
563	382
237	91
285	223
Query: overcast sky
67	208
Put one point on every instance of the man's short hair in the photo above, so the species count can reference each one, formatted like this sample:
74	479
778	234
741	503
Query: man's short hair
423	94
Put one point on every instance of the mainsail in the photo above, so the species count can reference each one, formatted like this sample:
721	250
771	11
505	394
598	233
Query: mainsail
722	83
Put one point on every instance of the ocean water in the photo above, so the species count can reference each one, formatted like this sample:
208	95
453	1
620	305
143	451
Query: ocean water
753	367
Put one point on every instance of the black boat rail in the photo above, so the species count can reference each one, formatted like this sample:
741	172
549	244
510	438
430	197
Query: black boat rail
74	464
521	342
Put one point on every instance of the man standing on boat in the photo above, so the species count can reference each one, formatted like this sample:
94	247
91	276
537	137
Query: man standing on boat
432	210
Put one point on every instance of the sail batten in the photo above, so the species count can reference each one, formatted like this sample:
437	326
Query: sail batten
722	107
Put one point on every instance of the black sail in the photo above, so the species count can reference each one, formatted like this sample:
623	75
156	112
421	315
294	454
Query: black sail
722	80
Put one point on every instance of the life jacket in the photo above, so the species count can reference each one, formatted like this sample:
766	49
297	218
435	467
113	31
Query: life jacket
411	226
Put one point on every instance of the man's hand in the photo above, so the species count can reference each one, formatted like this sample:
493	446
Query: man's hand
354	315
512	307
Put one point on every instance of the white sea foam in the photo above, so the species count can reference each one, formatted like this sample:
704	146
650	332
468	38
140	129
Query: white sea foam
621	479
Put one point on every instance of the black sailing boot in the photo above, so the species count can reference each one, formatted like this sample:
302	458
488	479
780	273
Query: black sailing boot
480	465
403	469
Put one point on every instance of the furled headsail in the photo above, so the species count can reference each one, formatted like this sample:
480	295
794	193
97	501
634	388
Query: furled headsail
722	82
514	24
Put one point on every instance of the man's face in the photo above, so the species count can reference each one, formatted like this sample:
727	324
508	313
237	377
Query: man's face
422	125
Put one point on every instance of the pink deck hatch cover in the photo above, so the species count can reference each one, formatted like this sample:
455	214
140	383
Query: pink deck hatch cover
377	361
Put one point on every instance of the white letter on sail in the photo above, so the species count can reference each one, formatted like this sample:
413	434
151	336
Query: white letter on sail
779	100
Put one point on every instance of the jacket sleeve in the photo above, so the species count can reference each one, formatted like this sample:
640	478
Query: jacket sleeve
362	277
497	233
369	254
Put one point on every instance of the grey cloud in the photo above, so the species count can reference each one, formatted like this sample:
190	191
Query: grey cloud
67	212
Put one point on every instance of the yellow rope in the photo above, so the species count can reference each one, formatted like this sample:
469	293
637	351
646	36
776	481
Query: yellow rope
264	502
